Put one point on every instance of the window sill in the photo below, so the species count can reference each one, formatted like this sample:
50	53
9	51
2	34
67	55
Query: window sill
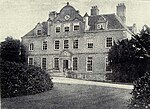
56	49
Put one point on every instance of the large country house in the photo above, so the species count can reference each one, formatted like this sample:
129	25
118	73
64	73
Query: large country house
77	46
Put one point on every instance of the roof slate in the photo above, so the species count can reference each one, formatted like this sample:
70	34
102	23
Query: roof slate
113	22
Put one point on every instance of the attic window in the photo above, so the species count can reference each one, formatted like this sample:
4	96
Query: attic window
66	29
101	26
76	27
39	32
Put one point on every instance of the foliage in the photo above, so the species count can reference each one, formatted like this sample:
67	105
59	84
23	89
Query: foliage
18	79
130	59
12	50
141	93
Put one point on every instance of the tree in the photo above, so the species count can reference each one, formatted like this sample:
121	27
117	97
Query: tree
130	59
12	50
17	78
141	93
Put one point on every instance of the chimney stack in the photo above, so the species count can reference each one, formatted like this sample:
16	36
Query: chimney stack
94	10
121	11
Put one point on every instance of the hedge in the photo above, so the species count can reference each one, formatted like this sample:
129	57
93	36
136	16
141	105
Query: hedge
18	79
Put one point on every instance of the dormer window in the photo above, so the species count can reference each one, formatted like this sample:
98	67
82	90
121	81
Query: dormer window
76	27
101	26
39	32
66	29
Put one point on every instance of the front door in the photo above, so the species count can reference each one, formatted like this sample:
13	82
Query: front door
65	64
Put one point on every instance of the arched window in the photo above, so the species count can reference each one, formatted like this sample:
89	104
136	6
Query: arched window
31	47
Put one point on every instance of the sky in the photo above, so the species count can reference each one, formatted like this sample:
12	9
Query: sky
18	17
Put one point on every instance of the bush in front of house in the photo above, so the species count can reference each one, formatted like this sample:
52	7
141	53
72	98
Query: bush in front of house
141	93
18	79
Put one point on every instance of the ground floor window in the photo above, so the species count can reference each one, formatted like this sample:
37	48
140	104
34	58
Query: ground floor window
89	64
107	65
56	63
30	61
44	63
75	63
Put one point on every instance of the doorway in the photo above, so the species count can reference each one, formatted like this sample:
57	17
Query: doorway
65	64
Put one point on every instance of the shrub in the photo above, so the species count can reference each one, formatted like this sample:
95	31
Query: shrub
18	79
141	93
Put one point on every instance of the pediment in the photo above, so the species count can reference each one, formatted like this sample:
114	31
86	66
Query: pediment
65	53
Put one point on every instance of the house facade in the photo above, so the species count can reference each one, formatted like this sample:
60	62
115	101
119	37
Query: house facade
77	46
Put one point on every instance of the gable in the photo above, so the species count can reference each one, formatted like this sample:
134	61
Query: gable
42	26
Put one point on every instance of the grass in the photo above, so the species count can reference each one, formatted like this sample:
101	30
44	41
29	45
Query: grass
67	96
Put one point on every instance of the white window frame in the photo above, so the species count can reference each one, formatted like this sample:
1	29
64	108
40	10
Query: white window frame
55	46
64	44
67	29
106	42
56	29
76	24
66	25
74	46
73	64
32	60
44	46
87	64
54	63
106	63
90	41
31	47
42	63
99	26
37	32
74	27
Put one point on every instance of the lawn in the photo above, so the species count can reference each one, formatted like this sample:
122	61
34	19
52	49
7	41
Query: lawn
71	96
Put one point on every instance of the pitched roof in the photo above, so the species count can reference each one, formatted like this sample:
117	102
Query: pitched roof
44	27
113	22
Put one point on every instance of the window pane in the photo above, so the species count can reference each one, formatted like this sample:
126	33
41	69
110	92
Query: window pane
89	64
75	44
57	29
66	44
90	45
44	63
66	29
76	27
30	61
31	46
56	63
39	32
100	26
75	63
57	44
108	68
45	45
109	42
